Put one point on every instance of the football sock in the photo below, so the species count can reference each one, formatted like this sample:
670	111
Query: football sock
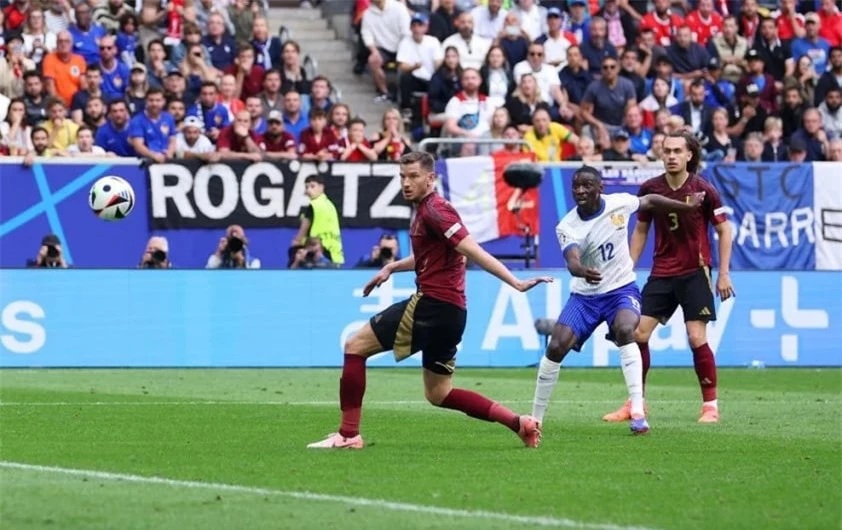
645	359
547	379
705	364
351	391
632	363
480	407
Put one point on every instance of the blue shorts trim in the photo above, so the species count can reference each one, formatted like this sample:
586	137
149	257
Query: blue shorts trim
583	314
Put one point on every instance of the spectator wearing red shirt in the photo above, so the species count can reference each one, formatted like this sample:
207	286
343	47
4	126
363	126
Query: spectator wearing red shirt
356	148
249	76
663	22
318	141
15	15
278	144
705	22
831	23
238	141
749	20
789	21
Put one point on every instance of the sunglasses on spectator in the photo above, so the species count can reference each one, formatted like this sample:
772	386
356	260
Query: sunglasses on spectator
609	66
106	47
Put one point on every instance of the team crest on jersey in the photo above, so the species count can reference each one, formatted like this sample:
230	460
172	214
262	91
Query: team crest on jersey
619	220
74	71
165	129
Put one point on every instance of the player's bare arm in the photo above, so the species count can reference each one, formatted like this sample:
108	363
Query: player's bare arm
658	203
638	239
469	248
574	264
724	287
402	265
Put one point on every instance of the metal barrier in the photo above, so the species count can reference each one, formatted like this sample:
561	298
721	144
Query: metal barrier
461	141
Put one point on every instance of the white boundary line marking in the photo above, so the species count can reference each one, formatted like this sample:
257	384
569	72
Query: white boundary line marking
531	520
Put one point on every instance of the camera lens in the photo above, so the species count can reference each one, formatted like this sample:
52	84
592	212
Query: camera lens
235	244
52	252
159	255
386	253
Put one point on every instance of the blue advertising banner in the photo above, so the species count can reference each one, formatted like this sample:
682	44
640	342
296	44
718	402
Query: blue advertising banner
130	318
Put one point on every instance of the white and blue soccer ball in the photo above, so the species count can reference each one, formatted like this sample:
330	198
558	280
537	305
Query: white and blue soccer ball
111	198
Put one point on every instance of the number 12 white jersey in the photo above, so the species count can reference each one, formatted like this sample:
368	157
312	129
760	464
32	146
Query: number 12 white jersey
603	242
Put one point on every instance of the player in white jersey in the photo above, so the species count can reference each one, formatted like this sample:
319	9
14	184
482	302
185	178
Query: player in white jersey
594	240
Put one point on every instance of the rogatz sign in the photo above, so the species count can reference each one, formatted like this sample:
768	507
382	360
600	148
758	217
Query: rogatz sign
190	194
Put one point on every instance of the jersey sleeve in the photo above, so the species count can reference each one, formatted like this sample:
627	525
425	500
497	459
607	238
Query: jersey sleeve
629	202
443	220
713	208
566	237
643	216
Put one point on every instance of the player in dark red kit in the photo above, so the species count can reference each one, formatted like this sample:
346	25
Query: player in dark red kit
681	267
432	320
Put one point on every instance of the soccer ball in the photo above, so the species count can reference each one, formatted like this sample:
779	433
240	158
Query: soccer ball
111	198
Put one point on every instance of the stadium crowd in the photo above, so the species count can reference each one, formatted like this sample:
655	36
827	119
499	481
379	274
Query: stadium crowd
575	79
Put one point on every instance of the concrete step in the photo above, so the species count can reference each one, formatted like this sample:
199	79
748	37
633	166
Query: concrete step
322	47
296	13
298	27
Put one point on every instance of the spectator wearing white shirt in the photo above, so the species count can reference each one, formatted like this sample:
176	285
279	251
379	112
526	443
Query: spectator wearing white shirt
489	19
192	143
385	23
533	18
556	41
419	56
546	75
84	145
468	113
471	47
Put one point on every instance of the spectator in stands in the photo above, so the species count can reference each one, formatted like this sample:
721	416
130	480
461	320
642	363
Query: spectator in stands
12	68
238	142
195	70
489	19
389	143
575	77
136	91
704	22
622	28
445	83
86	34
752	148
586	151
40	147
650	52
660	98
663	22
192	143
577	21
597	47
662	121
792	111
500	120
211	114
606	100
338	119
498	83
84	145
629	67
556	41
442	20
789	21
94	115
267	48
797	152
774	149
233	251
115	74
832	78
205	8
248	75
835	151
221	46
192	34
664	69
13	15
386	251
61	130
719	92
15	132
749	116
271	97
294	120
157	65
775	52
620	150
64	70
812	45
730	48
38	41
319	95
656	154
750	20
93	82
472	48
511	133
546	138
640	137
228	97
152	132
533	17
524	102
177	110
385	23
813	135
320	220
804	78
318	141
113	136
175	88
468	112
241	13
57	15
721	146
512	40
549	84
831	113
293	76
107	14
755	75
127	39
356	148
830	22
278	143
689	59
695	112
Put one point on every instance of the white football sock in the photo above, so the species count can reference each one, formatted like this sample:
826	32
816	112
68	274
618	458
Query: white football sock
633	373
547	378
713	404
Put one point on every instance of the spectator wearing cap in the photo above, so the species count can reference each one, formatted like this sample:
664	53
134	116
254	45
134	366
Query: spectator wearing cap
271	97
620	150
663	22
556	41
295	121
471	47
211	113
152	132
704	22
606	100
640	137
797	152
113	135
221	46
93	82
831	113
830	27
86	34
577	21
115	73
267	48
629	67
64	70
238	142
695	112
749	115
489	19
419	56
192	143
596	47
622	28
533	18
549	83
442	19
689	59
832	78
775	53
789	21
512	40
813	136
752	148
764	82
719	92
812	45
730	49
835	150
385	23
278	143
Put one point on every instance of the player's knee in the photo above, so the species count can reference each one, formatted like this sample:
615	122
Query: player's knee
625	333
696	337
556	350
436	395
354	345
641	335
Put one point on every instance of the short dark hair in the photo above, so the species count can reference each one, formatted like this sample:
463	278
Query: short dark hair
693	145
210	84
698	83
317	113
425	160
38	129
32	73
84	127
114	102
357	121
588	171
321	78
318	179
55	101
93	68
154	90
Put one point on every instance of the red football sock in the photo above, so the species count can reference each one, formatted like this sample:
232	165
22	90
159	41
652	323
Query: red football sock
644	356
351	392
705	364
480	407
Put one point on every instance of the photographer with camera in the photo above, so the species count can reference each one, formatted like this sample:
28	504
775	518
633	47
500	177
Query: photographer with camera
310	256
232	252
156	255
49	255
386	251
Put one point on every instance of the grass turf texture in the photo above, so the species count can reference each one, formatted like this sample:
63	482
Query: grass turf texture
775	461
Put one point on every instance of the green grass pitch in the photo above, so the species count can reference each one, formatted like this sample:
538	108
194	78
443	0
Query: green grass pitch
79	448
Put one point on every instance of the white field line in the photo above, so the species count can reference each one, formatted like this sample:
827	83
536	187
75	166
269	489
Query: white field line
527	520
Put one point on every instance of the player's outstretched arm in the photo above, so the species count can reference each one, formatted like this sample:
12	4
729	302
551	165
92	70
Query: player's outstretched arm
658	203
724	287
638	240
469	248
574	264
405	264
